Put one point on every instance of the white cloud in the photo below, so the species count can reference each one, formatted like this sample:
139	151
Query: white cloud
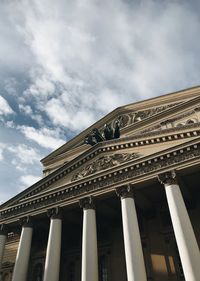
14	54
5	108
28	180
10	124
64	113
2	147
11	86
44	137
87	64
25	154
25	109
68	63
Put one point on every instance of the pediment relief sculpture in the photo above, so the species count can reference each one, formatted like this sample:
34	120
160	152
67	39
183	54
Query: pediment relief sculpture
187	118
133	117
105	162
112	130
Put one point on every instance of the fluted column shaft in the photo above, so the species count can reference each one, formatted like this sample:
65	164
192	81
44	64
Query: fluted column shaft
23	253
185	238
52	262
89	270
132	241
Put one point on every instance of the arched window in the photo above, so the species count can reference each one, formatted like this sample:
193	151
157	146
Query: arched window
37	272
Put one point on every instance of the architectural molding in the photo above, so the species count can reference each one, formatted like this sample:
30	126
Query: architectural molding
26	221
54	213
132	117
3	229
155	137
168	178
104	162
125	191
87	203
148	167
170	120
162	116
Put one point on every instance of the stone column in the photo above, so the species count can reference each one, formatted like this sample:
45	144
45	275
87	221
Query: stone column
132	242
3	237
23	253
185	238
52	262
89	241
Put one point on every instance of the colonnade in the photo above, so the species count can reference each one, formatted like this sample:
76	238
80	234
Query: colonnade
186	241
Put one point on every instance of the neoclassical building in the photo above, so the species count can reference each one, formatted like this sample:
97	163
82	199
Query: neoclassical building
116	203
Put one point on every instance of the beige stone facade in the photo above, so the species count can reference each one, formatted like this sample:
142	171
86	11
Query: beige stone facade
123	209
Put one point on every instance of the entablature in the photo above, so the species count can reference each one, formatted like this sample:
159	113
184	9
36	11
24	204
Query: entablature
133	122
179	158
115	146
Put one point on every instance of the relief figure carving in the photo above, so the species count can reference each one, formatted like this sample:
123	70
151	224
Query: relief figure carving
103	163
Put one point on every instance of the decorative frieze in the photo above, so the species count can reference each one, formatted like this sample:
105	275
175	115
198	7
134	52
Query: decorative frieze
130	118
117	147
153	166
172	120
105	162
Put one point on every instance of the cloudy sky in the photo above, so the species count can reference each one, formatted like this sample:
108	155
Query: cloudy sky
66	63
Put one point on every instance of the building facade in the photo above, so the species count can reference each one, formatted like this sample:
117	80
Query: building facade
113	208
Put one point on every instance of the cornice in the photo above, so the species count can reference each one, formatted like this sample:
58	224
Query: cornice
176	158
167	98
68	153
172	111
175	97
79	138
189	131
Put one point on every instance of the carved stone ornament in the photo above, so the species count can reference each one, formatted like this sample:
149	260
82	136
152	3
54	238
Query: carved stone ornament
87	203
103	163
54	213
180	117
133	117
26	221
168	178
152	167
125	191
3	229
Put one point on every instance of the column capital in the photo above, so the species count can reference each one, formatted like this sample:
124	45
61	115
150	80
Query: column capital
87	203
54	213
3	229
26	221
125	191
168	178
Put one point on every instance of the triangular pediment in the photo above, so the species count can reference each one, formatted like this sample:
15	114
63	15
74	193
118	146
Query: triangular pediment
105	158
145	131
134	119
